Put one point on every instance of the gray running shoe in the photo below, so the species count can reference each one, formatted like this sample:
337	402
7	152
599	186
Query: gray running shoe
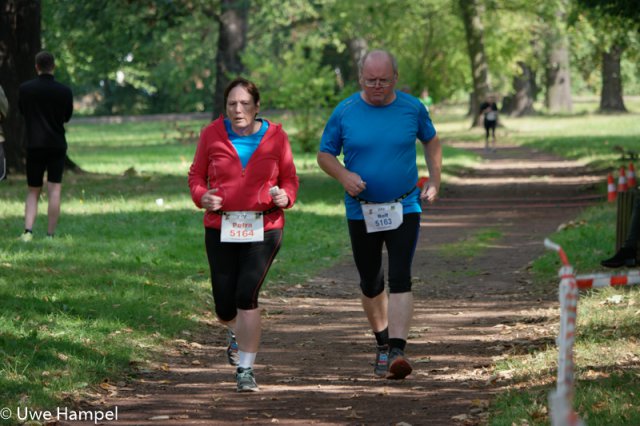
399	367
232	349
246	380
382	361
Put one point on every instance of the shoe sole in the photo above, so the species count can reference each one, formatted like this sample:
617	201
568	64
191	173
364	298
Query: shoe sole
629	263
246	390
380	373
399	369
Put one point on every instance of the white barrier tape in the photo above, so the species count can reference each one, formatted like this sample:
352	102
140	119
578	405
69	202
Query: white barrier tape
608	280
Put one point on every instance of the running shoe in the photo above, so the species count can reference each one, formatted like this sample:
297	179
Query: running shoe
399	367
246	380
232	349
26	237
382	361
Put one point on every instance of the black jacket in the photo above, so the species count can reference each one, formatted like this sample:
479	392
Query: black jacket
46	105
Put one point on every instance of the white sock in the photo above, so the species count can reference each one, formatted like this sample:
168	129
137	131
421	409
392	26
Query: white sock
247	359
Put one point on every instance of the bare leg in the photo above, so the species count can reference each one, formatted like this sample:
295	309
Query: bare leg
31	206
376	310
493	137
53	212
486	138
248	330
400	314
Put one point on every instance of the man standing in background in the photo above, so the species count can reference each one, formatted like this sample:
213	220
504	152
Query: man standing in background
46	105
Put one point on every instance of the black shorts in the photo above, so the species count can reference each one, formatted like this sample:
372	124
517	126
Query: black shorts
490	124
41	160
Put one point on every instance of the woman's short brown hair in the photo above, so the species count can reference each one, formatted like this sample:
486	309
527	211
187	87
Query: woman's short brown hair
248	85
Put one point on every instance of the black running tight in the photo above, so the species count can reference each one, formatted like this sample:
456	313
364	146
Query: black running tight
367	253
238	270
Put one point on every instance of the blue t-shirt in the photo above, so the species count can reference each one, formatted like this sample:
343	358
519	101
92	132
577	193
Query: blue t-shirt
246	145
379	144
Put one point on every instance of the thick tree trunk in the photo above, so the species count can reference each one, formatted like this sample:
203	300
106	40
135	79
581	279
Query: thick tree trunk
558	78
19	43
611	97
231	42
474	29
521	101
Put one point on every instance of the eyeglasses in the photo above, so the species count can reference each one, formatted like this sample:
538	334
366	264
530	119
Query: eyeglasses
382	82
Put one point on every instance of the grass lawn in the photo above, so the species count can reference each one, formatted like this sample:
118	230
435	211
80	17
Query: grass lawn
127	271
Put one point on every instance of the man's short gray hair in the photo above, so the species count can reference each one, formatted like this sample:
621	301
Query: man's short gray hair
363	59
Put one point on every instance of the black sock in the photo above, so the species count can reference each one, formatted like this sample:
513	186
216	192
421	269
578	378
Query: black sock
397	343
28	231
382	337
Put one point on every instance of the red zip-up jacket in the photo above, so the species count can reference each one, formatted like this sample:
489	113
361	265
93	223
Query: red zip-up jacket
216	164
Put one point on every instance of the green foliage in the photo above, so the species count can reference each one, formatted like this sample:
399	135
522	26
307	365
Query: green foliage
300	84
147	56
593	32
134	57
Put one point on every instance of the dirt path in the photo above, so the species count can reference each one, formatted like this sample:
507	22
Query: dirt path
314	366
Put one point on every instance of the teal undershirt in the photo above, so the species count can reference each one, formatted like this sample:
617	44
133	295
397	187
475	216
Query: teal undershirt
246	145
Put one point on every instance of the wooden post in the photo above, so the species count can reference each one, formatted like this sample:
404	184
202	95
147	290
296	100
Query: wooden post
623	220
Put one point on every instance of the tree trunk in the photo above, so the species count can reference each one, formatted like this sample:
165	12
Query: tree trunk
232	39
611	97
19	43
524	86
358	47
474	29
558	79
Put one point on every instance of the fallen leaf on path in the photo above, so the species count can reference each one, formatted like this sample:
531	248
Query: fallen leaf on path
354	415
108	386
344	408
460	417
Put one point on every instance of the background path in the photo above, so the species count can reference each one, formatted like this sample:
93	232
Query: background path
315	363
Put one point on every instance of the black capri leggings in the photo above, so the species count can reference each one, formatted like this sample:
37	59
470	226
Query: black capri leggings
367	253
238	270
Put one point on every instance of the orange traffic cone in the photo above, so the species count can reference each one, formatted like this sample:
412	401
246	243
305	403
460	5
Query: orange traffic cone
631	177
622	180
611	188
422	181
